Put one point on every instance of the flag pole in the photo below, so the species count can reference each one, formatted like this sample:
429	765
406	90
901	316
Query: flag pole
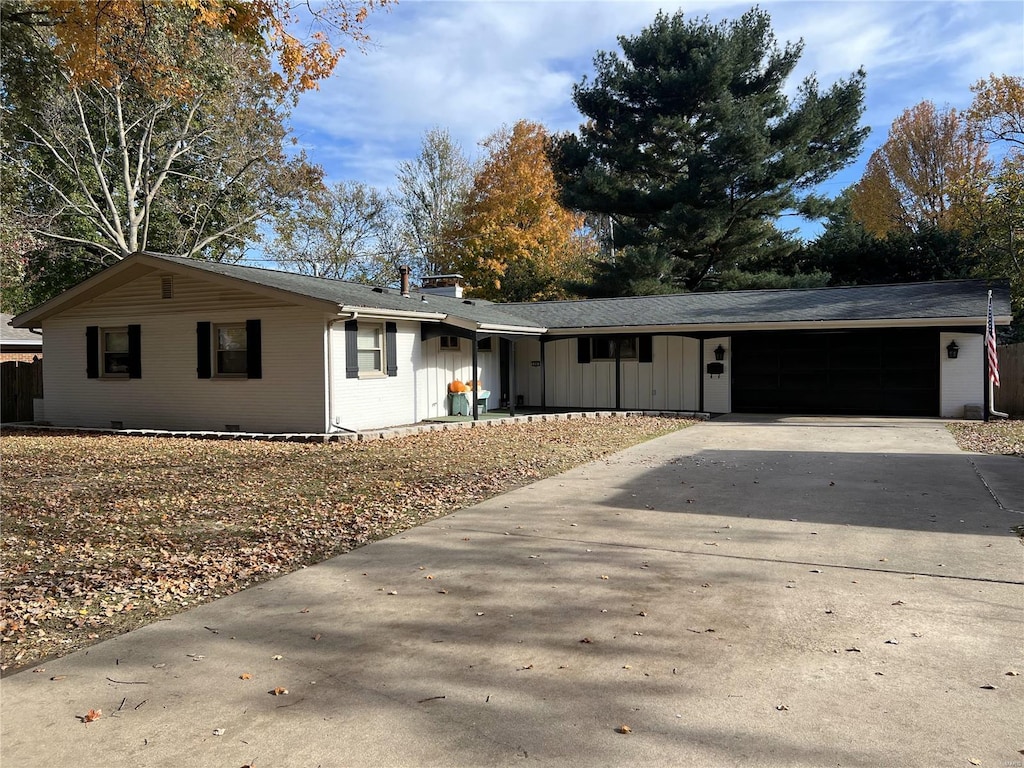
992	360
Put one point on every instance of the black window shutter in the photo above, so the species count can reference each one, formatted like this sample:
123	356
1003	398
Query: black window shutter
583	349
351	350
203	359
645	349
391	348
253	349
134	351
92	352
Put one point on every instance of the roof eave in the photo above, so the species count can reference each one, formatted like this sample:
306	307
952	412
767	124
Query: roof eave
785	325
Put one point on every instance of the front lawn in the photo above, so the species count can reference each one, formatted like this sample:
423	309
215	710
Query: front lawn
998	437
102	534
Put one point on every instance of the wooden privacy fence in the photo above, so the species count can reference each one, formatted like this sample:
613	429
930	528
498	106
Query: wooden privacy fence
1009	395
19	384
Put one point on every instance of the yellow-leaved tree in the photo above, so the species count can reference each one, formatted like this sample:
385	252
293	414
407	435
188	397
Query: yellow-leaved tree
930	167
515	242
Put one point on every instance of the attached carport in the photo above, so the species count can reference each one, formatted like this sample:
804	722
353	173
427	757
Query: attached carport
878	372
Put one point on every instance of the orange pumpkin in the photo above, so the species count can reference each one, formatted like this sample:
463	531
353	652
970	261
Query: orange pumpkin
456	387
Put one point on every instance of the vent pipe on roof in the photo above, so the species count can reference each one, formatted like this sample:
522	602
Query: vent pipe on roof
403	271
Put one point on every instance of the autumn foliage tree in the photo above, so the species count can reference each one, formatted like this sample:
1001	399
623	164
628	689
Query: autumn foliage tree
101	40
515	241
930	167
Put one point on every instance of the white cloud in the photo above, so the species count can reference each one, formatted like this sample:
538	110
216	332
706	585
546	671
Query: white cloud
473	66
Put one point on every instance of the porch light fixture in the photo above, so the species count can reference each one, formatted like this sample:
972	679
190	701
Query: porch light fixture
719	352
952	350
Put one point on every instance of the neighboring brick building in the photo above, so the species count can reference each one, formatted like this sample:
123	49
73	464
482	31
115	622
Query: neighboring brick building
18	344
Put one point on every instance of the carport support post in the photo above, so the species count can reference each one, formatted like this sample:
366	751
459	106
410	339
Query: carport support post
618	374
511	377
543	376
476	377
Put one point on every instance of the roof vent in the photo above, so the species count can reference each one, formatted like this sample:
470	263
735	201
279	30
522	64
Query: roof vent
467	301
378	289
167	287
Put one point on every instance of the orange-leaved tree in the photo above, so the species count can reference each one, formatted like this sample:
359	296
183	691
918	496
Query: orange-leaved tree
99	40
515	242
930	166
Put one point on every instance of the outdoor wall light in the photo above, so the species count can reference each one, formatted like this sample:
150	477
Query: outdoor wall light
952	350
719	352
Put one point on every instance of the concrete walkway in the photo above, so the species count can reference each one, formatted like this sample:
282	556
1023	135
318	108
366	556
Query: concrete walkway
745	592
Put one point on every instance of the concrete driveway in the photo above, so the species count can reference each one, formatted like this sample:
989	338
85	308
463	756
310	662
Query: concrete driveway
746	592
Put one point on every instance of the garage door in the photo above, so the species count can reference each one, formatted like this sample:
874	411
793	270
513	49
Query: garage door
884	372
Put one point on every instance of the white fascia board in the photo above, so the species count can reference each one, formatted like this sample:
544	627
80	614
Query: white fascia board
470	325
391	314
801	325
522	330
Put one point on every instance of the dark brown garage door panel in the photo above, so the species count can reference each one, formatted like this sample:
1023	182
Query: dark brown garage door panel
873	372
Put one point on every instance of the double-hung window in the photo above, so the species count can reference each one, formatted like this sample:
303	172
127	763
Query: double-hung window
114	352
229	350
232	349
370	349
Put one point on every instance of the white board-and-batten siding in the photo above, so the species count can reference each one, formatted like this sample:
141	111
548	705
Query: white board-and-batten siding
670	382
440	367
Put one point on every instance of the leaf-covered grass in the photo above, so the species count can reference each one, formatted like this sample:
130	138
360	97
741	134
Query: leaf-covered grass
102	534
998	437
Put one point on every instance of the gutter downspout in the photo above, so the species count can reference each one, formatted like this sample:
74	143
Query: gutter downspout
331	425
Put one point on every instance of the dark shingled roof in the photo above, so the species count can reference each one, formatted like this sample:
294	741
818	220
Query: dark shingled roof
360	295
949	299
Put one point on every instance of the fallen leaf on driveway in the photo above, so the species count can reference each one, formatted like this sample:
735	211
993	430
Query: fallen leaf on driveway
989	687
279	691
624	729
218	731
245	676
586	640
92	715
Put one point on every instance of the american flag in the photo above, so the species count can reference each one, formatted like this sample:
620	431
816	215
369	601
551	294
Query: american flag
990	344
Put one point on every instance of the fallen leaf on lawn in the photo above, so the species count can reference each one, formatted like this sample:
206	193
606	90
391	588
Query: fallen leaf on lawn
605	578
899	602
626	666
624	729
479	613
245	676
1012	673
586	640
893	641
442	591
277	658
92	715
782	707
59	677
279	691
304	610
973	761
218	731
989	687
528	666
316	636
853	649
393	592
642	613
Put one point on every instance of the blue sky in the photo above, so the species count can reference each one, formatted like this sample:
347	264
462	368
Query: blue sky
475	65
